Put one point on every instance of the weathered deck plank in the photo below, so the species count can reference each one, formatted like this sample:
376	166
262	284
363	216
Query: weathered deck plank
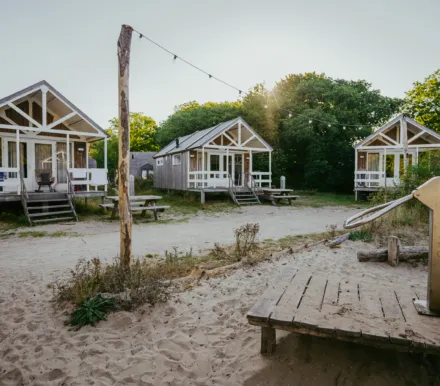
380	314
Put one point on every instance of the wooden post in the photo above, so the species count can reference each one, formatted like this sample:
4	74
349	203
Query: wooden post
268	340
125	219
393	251
428	195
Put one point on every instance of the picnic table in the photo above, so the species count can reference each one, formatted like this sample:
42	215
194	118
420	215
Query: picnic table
275	195
137	204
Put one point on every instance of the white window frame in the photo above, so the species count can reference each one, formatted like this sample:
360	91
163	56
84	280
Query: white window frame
159	162
177	159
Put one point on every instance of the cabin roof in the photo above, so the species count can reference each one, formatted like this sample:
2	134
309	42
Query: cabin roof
202	137
393	122
57	108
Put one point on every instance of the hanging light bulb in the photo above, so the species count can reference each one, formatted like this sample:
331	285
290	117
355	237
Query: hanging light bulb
329	125
290	115
310	121
175	58
239	92
343	128
265	106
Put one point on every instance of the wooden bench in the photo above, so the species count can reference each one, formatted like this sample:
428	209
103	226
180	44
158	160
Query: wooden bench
137	208
379	314
285	197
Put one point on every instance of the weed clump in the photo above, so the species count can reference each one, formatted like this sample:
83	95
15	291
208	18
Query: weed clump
141	283
91	311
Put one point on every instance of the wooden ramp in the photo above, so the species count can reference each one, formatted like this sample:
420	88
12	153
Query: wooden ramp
379	314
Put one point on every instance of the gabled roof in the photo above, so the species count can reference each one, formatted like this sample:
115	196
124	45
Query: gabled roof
36	87
394	121
203	137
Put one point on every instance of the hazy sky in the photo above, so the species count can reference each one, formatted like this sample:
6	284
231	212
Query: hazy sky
72	45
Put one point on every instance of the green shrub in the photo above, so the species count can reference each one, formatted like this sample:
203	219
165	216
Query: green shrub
360	236
142	185
91	311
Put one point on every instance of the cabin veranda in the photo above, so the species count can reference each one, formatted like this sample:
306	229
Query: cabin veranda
383	157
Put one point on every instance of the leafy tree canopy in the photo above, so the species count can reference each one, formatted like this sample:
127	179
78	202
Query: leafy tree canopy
296	116
142	138
192	116
423	102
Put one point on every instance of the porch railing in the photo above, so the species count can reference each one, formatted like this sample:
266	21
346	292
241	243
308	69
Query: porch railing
262	179
197	180
369	179
88	178
9	180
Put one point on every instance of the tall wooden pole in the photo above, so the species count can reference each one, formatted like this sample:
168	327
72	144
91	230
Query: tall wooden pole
125	219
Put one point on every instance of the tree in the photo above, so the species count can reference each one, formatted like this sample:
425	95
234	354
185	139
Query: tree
191	117
320	120
423	102
142	138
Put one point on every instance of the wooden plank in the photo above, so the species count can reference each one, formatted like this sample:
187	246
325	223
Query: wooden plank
311	303
287	306
373	326
262	310
349	305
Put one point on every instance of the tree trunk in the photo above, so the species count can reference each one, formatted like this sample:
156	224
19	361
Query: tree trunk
125	218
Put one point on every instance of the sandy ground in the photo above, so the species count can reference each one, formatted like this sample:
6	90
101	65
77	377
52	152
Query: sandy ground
199	337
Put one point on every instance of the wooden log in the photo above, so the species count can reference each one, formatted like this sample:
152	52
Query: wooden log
339	240
393	251
405	253
125	217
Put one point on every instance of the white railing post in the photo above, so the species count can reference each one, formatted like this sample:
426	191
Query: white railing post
270	169
203	166
17	150
87	167
105	161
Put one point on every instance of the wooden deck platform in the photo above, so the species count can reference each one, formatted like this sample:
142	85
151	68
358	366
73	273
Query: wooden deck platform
10	197
379	314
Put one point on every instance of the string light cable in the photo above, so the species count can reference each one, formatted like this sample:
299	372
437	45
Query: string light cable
240	91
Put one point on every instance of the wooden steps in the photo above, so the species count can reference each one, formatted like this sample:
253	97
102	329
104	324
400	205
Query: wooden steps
244	196
48	207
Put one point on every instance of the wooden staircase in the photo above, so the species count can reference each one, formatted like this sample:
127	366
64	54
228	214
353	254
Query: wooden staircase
43	208
245	196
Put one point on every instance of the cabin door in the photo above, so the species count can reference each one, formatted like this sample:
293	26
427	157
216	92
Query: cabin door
44	160
238	169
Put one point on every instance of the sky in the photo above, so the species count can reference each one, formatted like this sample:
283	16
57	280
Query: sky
72	45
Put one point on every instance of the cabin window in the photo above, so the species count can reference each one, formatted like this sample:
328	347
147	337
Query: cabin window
373	162
214	160
389	166
159	162
177	159
43	158
12	158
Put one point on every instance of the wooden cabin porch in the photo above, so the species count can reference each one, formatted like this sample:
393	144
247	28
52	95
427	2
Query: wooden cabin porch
383	157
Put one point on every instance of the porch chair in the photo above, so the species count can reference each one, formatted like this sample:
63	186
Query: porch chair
44	178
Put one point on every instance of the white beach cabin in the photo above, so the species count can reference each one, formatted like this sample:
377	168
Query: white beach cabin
44	138
383	157
217	159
